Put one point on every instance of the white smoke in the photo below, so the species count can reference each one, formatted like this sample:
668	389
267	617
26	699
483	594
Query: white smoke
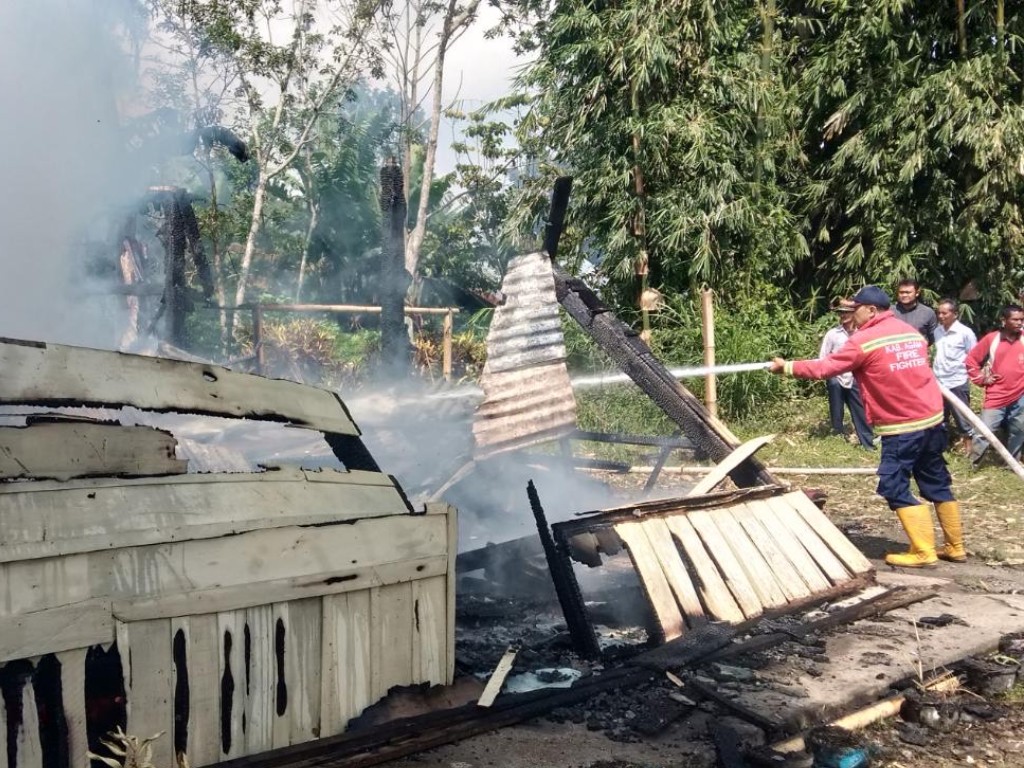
64	66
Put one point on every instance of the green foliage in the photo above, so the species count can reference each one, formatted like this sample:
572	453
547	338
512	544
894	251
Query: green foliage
810	146
749	329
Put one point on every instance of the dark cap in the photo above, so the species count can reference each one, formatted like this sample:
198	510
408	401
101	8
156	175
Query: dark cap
844	305
873	296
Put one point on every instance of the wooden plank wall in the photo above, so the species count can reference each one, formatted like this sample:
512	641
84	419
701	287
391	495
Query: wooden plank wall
736	562
207	660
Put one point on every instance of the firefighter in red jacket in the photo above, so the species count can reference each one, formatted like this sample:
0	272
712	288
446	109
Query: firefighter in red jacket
889	360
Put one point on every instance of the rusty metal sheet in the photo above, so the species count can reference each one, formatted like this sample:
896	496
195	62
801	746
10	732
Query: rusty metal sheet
528	397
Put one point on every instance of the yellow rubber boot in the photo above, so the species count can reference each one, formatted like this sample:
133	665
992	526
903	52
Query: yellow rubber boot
917	522
948	513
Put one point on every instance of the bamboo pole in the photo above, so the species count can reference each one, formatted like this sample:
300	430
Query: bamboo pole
979	425
339	308
446	346
707	313
257	340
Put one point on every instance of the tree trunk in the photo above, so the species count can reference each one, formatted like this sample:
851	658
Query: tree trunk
419	231
259	197
314	219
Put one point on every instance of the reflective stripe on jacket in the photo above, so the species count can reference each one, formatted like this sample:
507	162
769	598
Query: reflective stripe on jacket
889	360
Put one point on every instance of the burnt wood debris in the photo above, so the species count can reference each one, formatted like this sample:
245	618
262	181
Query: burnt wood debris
262	613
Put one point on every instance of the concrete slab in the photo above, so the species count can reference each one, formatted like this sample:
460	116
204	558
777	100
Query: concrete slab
865	659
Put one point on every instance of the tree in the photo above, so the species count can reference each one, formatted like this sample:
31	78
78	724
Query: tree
289	67
422	33
677	123
915	126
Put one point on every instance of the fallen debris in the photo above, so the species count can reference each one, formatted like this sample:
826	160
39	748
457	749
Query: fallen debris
497	678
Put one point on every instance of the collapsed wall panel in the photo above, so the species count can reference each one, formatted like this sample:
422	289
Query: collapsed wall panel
235	613
727	557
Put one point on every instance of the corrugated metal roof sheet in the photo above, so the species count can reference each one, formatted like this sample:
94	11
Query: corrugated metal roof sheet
528	397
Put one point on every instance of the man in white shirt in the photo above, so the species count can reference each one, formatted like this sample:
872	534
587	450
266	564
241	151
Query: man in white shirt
953	340
842	390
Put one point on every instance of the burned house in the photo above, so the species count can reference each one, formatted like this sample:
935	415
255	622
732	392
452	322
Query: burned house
176	585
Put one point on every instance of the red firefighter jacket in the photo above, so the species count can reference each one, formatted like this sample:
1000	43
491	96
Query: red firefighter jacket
889	360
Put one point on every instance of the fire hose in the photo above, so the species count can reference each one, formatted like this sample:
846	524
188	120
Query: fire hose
983	430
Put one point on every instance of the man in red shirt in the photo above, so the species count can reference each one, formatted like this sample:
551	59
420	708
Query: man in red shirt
889	360
997	364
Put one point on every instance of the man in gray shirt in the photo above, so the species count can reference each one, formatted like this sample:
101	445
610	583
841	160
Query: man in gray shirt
953	340
913	312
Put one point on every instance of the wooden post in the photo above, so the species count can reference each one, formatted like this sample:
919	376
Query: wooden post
396	351
707	312
446	346
257	339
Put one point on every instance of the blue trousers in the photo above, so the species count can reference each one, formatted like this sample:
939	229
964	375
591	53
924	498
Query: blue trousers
918	455
838	398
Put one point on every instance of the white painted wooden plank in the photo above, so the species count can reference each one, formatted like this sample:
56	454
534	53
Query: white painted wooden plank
285	473
258	592
260	681
204	649
660	538
497	678
720	603
180	625
56	375
793	587
302	655
655	584
759	573
836	539
816	548
55	630
430	626
728	464
185	567
231	673
283	684
72	686
28	740
347	677
152	688
391	635
453	550
62	451
735	577
805	566
61	522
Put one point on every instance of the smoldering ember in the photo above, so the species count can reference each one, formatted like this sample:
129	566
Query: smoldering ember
306	462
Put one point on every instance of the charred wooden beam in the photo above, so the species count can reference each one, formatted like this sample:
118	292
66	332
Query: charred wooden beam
416	734
637	361
556	216
566	586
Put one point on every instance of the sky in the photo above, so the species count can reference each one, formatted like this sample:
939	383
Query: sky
478	71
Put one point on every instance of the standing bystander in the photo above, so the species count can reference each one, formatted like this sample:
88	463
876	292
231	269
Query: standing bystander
953	340
889	360
843	391
997	365
911	311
